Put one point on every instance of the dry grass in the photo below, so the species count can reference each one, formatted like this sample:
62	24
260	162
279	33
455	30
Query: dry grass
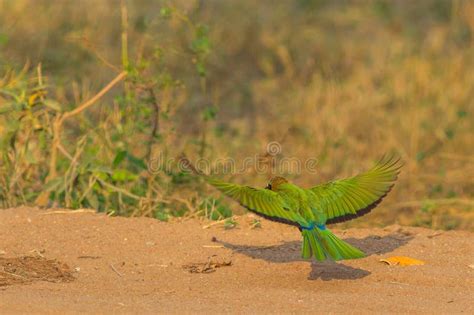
340	82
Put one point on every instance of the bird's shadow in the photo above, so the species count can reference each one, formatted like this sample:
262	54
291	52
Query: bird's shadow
328	270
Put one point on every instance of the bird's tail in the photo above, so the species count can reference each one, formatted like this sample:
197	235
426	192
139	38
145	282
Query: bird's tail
323	244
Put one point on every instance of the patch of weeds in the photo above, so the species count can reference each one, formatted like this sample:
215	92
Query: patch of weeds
161	215
256	223
230	223
214	209
427	207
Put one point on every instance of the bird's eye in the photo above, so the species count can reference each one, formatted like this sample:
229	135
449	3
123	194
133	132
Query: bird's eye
269	186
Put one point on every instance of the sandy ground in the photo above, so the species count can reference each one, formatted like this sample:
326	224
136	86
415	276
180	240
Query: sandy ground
97	264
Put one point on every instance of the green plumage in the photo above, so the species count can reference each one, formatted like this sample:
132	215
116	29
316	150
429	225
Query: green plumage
311	209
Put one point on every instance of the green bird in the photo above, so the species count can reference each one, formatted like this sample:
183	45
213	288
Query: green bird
312	209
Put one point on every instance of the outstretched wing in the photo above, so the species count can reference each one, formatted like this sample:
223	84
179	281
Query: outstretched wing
349	198
263	202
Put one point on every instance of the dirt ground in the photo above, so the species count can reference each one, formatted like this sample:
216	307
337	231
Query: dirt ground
64	262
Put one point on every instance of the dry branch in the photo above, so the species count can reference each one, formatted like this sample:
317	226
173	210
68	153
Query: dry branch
58	122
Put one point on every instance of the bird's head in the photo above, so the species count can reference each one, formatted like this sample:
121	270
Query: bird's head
275	182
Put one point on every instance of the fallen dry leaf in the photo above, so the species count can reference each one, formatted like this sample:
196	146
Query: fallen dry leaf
402	261
208	267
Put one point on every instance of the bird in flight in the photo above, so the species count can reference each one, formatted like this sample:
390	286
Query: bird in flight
312	209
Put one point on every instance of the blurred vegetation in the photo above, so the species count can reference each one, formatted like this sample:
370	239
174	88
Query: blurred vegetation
92	92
